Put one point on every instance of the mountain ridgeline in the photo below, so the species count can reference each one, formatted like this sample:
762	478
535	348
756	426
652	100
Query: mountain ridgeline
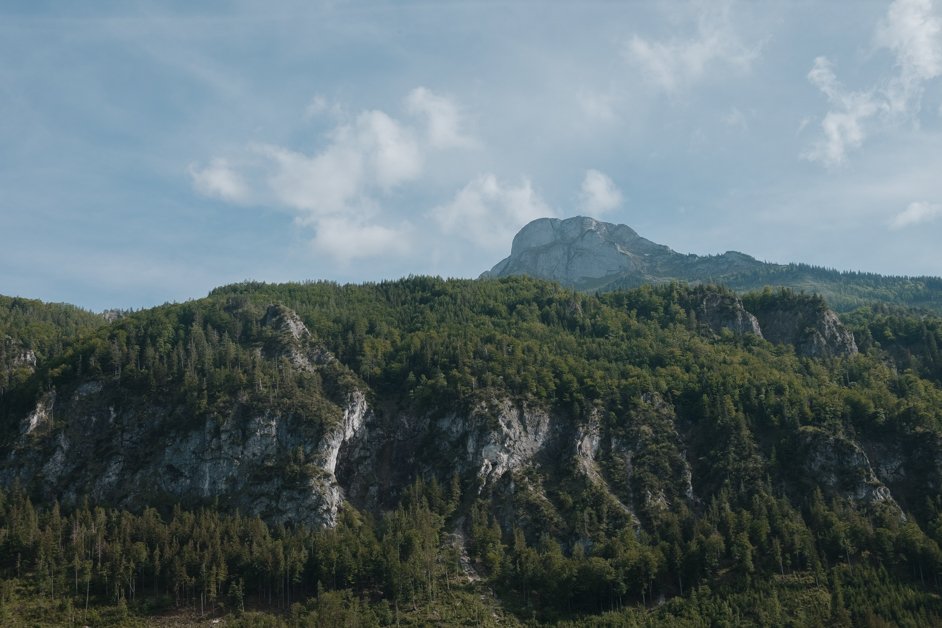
396	452
590	255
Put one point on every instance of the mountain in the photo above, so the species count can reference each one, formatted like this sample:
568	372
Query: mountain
237	399
590	255
748	459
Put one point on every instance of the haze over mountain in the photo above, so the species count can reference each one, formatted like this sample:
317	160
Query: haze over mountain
588	254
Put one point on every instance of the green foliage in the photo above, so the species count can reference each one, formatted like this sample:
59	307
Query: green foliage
32	329
702	496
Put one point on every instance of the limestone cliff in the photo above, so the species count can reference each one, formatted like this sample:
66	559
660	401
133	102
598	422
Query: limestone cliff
92	440
804	322
589	254
578	250
718	310
641	404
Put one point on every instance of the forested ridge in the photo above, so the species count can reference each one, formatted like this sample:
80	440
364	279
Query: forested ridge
692	476
31	330
844	290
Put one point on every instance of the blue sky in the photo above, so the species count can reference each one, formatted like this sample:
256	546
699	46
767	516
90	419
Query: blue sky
152	151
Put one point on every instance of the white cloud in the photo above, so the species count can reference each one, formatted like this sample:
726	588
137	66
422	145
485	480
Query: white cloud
346	240
488	213
675	64
334	191
219	180
843	125
443	119
599	194
374	153
339	191
914	34
314	186
911	31
916	213
392	152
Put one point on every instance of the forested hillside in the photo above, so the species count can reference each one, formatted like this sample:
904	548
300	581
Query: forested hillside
31	331
845	290
479	452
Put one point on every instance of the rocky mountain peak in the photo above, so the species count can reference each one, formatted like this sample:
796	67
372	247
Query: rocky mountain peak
547	231
588	254
575	250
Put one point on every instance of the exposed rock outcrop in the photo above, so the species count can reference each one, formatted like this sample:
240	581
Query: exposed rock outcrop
295	340
720	310
577	250
483	444
807	323
267	464
40	416
842	467
277	464
589	254
25	358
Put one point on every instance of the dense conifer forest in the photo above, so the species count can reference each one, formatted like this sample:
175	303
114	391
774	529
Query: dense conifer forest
744	500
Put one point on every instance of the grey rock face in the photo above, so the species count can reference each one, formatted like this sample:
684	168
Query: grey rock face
576	250
92	441
814	330
494	450
40	416
843	467
585	253
25	358
286	321
725	311
483	444
130	457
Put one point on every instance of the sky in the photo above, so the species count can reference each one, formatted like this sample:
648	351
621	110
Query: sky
151	151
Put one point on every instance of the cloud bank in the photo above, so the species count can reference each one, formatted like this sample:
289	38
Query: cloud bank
488	212
443	119
339	191
219	180
911	31
916	213
677	63
599	194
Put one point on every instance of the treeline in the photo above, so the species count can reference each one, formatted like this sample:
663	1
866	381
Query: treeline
844	290
94	558
910	340
766	565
